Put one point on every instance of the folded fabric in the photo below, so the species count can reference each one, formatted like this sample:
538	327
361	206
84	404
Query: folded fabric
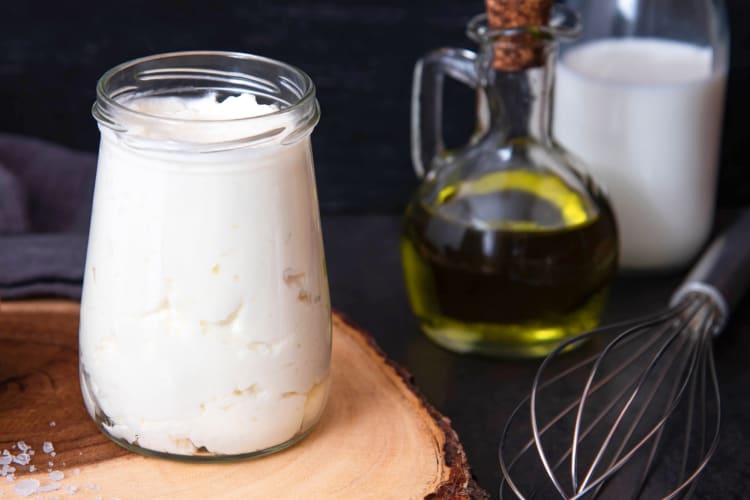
45	207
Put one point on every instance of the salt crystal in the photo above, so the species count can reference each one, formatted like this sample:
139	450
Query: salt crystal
7	469
6	459
56	475
32	468
52	454
22	459
23	446
31	452
49	487
52	424
48	447
27	487
72	488
10	478
50	464
6	452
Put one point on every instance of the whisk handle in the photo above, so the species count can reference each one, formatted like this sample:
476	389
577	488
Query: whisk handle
723	272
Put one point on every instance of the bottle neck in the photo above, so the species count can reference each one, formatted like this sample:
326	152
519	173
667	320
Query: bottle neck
519	101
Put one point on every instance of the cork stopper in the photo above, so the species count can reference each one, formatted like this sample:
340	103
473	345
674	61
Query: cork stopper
521	51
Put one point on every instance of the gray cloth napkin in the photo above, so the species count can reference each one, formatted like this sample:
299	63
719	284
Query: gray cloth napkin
45	206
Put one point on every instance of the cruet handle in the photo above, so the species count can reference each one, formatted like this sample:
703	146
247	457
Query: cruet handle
427	101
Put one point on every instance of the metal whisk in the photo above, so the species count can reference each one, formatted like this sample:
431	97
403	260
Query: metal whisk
640	417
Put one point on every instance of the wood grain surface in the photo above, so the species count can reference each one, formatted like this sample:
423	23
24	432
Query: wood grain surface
378	437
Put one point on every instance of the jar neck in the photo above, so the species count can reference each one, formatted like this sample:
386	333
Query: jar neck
518	101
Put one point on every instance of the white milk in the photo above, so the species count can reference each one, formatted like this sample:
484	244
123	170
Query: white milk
205	318
645	115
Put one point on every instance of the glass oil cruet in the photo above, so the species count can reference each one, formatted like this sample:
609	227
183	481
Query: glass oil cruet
508	246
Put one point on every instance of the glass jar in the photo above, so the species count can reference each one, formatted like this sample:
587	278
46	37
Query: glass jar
508	247
205	327
639	97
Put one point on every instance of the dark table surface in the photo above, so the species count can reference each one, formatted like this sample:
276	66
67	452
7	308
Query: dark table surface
478	394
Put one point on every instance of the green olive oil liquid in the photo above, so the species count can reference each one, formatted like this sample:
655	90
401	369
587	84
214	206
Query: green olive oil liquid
513	286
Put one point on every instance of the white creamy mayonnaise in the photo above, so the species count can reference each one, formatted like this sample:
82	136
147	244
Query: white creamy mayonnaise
205	317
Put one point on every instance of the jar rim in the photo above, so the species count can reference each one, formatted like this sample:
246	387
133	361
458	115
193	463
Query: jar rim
104	96
197	74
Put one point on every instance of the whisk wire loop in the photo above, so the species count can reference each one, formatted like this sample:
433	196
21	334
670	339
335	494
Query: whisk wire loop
679	344
537	386
632	326
647	421
626	337
689	482
649	398
675	332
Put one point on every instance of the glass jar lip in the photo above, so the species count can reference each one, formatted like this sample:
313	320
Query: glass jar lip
564	24
102	96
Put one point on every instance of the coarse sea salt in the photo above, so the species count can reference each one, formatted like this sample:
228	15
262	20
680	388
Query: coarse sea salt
27	487
49	487
23	446
48	447
6	459
56	475
22	459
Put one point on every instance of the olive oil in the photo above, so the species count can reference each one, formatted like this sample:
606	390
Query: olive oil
508	264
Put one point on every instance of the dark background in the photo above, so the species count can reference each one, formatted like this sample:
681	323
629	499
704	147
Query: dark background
359	53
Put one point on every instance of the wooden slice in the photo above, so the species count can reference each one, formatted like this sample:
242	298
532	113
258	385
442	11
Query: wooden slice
378	437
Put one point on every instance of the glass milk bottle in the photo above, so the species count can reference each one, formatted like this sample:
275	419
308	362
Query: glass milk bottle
639	98
507	247
205	327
